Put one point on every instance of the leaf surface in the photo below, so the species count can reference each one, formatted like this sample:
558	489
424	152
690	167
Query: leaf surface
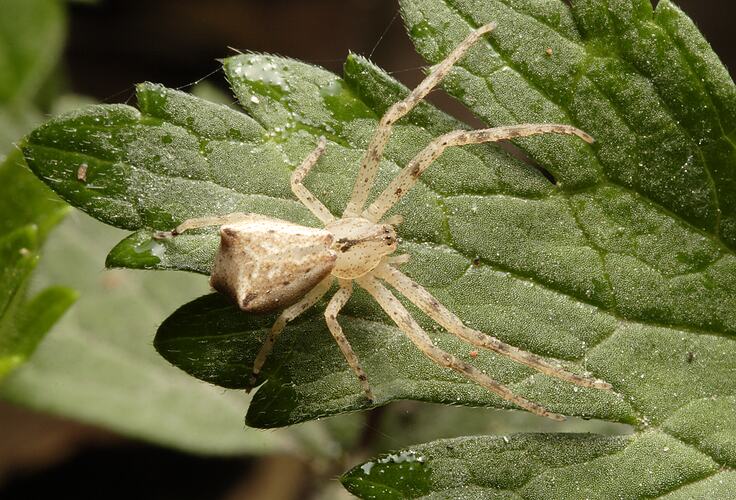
646	85
645	465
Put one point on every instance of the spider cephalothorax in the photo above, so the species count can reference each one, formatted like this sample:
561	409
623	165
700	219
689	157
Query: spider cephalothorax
268	264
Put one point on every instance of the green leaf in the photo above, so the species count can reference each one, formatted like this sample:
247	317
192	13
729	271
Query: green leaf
31	40
306	377
99	366
624	266
646	465
29	210
648	87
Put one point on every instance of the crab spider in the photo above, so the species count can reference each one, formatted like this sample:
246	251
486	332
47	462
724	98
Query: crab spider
267	264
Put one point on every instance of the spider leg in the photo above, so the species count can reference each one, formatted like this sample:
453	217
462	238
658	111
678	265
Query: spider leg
408	177
337	302
302	193
200	222
411	328
369	164
286	315
421	298
395	220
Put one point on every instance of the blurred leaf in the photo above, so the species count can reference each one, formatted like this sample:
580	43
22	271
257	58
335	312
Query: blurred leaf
210	92
31	35
31	40
69	102
28	210
624	267
405	423
15	120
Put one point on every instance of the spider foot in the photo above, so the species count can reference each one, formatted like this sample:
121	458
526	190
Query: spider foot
394	220
251	383
366	386
165	235
601	384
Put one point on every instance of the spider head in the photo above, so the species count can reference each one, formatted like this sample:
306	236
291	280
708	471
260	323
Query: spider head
387	238
360	245
370	238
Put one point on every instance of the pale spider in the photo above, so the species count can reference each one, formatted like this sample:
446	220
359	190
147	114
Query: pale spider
265	264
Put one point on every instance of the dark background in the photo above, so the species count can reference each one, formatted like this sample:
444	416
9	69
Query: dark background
115	44
111	46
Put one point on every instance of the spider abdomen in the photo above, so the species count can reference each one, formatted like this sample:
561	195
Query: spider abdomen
265	264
